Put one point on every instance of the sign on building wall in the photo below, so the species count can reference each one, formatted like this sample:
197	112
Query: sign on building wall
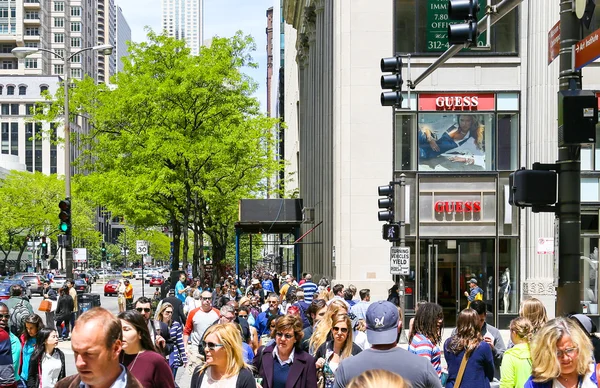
400	260
437	25
545	246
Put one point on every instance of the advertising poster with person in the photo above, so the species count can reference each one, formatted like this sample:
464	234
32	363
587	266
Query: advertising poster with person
455	142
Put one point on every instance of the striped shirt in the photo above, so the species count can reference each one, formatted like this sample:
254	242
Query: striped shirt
423	347
309	289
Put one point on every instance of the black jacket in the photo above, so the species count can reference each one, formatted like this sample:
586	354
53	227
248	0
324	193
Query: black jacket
64	308
165	333
33	380
178	314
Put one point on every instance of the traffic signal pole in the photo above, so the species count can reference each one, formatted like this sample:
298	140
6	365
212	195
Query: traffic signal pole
569	293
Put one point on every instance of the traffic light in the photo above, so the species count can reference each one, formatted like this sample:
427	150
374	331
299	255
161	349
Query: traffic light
65	216
530	188
392	81
463	32
391	232
386	203
43	248
103	251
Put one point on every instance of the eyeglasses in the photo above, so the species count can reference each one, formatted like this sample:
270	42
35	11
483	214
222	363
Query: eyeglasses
569	352
143	309
168	312
287	336
4	316
273	302
342	329
211	345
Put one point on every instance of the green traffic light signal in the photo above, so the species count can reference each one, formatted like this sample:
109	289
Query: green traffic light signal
65	216
64	227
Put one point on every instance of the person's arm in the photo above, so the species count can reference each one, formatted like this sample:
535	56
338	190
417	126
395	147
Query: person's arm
498	349
487	360
507	373
189	326
179	343
15	346
162	377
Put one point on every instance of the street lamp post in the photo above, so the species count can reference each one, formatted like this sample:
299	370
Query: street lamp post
22	53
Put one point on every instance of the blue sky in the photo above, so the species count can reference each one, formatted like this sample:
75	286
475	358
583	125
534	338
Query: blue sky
222	18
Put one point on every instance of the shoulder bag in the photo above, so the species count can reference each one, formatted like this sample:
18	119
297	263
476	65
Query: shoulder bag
461	370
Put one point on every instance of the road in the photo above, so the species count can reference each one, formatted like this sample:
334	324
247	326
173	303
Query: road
109	303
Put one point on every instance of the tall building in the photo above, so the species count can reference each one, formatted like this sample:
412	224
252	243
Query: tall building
459	223
123	35
107	21
183	19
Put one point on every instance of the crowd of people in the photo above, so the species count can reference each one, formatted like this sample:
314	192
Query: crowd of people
259	333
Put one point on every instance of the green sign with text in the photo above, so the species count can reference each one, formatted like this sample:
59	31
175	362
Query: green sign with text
438	22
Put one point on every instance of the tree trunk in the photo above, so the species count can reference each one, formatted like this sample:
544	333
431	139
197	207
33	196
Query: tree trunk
23	247
219	250
176	225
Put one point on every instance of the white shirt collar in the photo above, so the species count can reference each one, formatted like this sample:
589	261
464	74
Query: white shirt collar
276	355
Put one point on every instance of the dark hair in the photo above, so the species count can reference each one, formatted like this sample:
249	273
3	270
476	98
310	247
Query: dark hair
467	335
348	294
364	293
139	324
244	308
40	342
479	306
337	288
143	300
32	319
426	322
16	290
271	319
315	306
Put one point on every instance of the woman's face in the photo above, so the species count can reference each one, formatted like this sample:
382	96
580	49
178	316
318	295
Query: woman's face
465	122
285	340
215	354
32	329
52	339
246	303
567	354
440	322
320	314
340	332
131	337
167	314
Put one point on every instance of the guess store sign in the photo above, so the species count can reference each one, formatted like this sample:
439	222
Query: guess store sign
457	207
457	102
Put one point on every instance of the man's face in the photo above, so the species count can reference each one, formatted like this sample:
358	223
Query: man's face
182	278
92	358
4	317
273	304
227	317
206	301
481	320
145	309
472	285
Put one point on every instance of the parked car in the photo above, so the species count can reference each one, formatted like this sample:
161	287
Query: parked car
81	286
36	283
111	287
137	273
157	280
148	276
5	288
58	281
127	274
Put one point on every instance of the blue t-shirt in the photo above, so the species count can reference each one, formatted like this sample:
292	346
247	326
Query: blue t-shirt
27	352
248	353
178	288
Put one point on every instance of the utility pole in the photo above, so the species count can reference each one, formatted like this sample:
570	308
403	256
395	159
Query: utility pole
569	183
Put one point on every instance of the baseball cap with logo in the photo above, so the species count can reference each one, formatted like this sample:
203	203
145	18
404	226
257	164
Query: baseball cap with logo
382	323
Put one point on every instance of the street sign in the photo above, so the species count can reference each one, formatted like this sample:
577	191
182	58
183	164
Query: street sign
141	247
79	255
586	50
545	246
553	42
400	260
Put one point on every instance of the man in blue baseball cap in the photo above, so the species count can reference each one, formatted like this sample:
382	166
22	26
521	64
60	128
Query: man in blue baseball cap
383	325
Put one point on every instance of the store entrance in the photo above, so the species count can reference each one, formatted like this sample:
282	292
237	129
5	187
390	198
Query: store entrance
445	267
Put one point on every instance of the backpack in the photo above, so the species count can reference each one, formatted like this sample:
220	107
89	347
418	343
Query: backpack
17	316
290	294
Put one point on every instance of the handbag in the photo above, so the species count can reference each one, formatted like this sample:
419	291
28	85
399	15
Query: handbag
45	305
461	370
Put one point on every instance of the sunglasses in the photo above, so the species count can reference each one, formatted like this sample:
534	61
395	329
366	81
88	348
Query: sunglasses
342	329
206	298
143	309
287	336
211	345
273	302
168	312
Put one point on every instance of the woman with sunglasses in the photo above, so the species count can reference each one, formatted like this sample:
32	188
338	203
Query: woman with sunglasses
224	366
139	355
284	364
177	357
561	356
332	352
322	330
47	364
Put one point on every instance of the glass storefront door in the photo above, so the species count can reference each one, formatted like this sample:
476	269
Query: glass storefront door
445	267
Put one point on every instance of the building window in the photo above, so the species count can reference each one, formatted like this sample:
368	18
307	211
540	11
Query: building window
75	42
76	59
59	22
29	146
3	28
32	31
59	38
508	275
22	90
59	53
43	88
14	138
37	146
53	152
76	73
10	90
3	12
31	63
59	69
75	11
7	64
14	109
75	26
32	15
420	27
59	6
29	109
5	145
31	44
5	109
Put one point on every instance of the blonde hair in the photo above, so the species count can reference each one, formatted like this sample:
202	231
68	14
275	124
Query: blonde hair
243	300
545	365
378	378
323	328
230	337
522	327
347	348
534	310
325	295
161	310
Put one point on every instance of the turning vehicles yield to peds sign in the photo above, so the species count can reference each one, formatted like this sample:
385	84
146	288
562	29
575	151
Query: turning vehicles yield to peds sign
141	247
400	260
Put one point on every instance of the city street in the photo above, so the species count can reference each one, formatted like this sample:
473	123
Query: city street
110	303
